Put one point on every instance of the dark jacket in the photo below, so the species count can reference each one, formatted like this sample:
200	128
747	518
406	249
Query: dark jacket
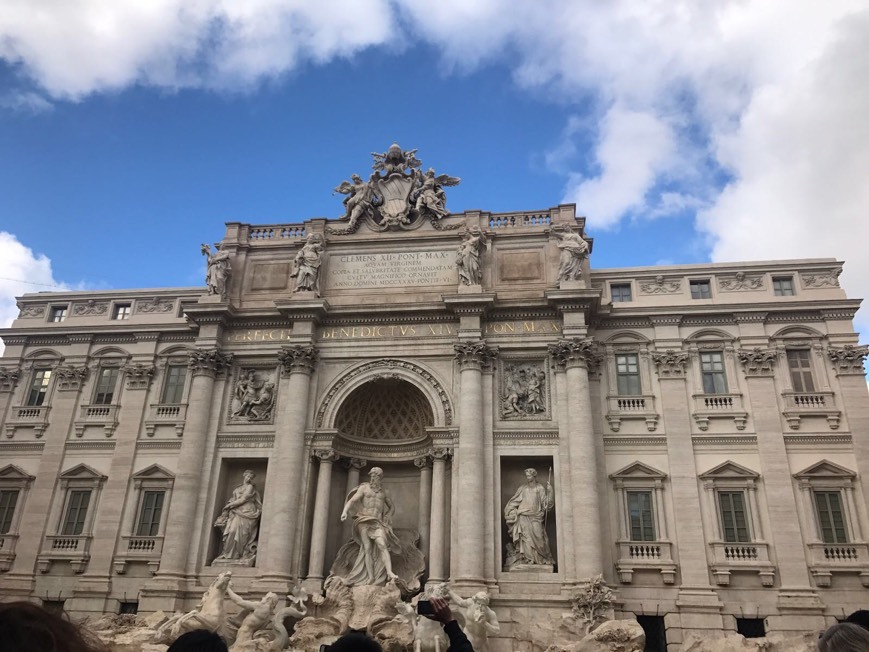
458	641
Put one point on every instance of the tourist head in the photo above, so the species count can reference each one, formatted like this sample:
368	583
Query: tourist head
26	627
199	640
859	617
844	637
355	642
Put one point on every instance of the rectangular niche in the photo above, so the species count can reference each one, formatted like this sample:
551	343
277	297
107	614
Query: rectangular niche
230	477
512	478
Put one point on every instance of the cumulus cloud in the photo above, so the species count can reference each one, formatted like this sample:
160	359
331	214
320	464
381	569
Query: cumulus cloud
21	271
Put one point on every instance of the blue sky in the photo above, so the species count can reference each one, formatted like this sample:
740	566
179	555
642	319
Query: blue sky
684	133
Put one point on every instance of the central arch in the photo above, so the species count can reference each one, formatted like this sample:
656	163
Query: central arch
386	410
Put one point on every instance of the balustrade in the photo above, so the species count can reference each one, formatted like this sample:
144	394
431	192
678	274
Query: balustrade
504	221
645	555
713	406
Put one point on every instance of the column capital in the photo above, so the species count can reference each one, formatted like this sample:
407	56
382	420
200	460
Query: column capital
298	359
210	362
421	462
848	359
476	354
8	378
325	455
71	378
441	454
670	363
757	362
355	463
575	352
138	376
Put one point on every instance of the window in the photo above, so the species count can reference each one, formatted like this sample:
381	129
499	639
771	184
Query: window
734	524
54	606
620	292
121	311
151	510
800	365
128	608
39	387
58	313
8	501
628	374
831	519
640	515
750	627
701	289
712	368
173	388
656	633
783	286
106	382
76	511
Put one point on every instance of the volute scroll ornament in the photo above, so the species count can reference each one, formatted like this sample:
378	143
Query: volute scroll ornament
575	351
474	354
848	359
8	378
31	311
740	281
756	361
441	453
301	358
208	361
670	363
70	378
660	285
325	455
90	307
138	376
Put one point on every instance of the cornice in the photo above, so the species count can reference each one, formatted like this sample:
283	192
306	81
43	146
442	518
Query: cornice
818	440
469	304
702	441
302	309
158	444
258	440
634	442
22	446
90	445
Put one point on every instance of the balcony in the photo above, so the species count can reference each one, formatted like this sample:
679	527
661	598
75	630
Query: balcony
139	548
7	551
750	556
828	558
641	407
97	415
167	414
73	548
23	416
811	404
719	406
645	555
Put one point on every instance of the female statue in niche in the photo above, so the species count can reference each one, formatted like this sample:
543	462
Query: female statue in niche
306	265
573	251
239	521
468	257
525	514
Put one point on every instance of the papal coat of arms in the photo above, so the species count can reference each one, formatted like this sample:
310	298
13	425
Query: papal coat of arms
397	195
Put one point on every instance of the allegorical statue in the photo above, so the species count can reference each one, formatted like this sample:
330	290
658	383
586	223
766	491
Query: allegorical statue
430	196
218	272
480	620
468	257
254	396
239	521
573	251
525	514
360	198
371	509
306	265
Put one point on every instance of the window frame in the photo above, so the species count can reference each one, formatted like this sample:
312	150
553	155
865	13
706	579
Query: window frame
58	313
14	478
621	287
636	478
799	376
642	525
45	386
101	396
182	394
816	493
620	375
778	291
723	512
122	311
713	373
79	478
700	283
730	477
82	512
151	478
140	512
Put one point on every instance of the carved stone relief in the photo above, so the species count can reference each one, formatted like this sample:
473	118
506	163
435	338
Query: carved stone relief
30	312
524	391
155	305
91	307
253	398
660	285
740	281
826	278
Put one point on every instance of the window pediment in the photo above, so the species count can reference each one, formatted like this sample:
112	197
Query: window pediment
729	471
825	469
15	473
153	472
638	471
82	472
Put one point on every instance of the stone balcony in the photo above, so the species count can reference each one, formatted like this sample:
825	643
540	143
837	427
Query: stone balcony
24	416
7	551
641	407
105	416
719	406
138	549
167	414
72	548
828	558
645	555
752	557
811	404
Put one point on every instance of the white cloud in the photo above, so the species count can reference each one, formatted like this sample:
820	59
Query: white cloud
21	271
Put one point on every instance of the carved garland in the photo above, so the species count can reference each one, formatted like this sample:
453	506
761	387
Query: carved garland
848	359
387	363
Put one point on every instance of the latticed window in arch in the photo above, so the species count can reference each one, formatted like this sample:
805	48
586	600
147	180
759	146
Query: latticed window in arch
385	410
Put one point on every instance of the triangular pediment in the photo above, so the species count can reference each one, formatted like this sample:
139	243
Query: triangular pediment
729	469
638	470
825	469
153	472
82	472
12	472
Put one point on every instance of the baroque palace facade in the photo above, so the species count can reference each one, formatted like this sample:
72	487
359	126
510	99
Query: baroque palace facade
703	427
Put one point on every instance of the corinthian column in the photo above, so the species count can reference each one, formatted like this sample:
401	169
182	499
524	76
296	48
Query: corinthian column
423	463
468	560
205	365
438	515
282	496
321	518
575	356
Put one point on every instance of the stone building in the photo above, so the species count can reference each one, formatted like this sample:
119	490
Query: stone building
704	427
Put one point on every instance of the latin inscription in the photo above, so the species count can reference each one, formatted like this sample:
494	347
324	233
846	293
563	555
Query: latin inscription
408	268
397	331
260	335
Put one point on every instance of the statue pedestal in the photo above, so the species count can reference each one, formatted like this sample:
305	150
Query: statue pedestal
578	284
304	295
211	299
470	289
531	568
232	563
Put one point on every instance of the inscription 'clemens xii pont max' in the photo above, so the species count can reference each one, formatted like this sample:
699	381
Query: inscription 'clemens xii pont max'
408	268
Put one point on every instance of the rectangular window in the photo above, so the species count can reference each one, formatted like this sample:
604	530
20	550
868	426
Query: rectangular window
106	382
173	388
121	311
783	286
76	511
712	367
150	513
58	313
621	292
700	289
39	387
8	500
800	365
830	517
640	515
628	374
734	523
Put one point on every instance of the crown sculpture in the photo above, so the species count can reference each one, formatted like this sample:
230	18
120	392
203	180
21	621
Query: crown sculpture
397	195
